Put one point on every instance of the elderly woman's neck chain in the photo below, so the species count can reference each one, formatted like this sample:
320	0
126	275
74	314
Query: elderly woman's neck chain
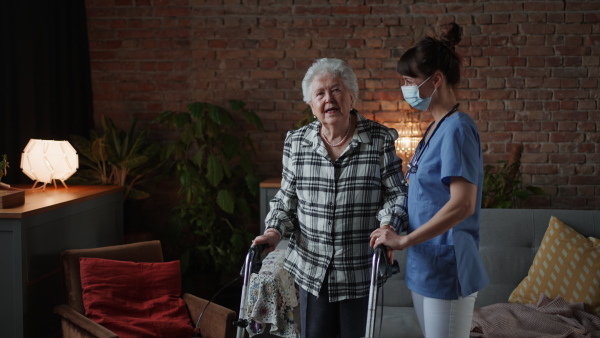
343	139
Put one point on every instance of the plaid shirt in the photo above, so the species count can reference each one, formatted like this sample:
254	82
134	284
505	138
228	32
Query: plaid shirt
329	209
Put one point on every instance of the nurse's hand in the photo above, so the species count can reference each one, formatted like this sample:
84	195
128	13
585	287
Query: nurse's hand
386	236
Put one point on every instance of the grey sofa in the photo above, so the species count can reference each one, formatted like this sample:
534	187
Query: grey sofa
509	241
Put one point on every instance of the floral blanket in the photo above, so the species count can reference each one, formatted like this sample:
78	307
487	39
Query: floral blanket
272	298
549	318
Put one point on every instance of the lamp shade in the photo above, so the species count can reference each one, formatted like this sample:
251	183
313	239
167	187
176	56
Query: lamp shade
46	160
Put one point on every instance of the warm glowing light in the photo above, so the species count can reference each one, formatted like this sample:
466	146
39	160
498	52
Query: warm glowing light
46	161
409	135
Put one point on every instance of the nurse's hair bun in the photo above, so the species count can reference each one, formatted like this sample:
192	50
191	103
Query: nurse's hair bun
451	35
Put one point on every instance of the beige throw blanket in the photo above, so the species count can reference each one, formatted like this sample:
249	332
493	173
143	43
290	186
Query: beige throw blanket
551	318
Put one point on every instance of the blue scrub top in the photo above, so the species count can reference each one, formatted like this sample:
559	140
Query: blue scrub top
447	266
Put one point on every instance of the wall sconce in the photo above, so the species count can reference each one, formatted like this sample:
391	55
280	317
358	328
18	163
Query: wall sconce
46	161
409	135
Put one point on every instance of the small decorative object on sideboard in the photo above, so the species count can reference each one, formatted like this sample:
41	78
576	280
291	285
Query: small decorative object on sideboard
3	171
11	198
8	198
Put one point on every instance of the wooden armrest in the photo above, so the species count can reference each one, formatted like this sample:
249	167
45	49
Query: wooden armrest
74	324
217	320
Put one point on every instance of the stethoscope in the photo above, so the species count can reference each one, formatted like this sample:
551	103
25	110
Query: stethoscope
412	166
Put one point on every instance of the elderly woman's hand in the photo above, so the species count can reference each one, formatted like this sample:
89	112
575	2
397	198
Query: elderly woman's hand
388	237
270	238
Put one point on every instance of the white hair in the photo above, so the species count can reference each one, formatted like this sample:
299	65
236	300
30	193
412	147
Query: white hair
335	67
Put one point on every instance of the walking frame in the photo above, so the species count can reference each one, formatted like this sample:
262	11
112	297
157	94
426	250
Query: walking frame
380	272
252	264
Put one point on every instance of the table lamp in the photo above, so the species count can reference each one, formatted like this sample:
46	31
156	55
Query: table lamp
46	161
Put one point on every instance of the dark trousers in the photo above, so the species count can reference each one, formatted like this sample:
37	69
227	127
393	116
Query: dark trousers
322	319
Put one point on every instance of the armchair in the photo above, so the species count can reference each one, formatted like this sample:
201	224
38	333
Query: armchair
216	322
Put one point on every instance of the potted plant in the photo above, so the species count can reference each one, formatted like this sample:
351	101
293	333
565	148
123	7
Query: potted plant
502	183
307	118
117	157
211	161
3	170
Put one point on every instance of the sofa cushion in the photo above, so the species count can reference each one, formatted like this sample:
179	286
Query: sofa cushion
135	299
566	264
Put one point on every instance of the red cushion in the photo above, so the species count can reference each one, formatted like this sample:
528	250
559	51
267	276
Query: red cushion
135	299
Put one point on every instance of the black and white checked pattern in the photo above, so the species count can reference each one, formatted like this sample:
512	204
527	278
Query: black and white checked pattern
329	209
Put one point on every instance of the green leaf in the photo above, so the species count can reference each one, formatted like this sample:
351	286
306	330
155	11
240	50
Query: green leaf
226	167
226	201
181	120
253	184
134	161
241	206
136	194
99	150
246	162
215	113
535	190
251	117
199	157
236	105
520	194
237	240
151	150
83	146
196	109
231	146
187	136
214	170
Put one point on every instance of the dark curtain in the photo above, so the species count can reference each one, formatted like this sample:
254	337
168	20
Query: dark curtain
45	81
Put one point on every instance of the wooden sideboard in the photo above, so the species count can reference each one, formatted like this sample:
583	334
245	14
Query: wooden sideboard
268	189
33	235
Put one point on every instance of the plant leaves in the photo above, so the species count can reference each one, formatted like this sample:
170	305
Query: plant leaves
214	172
187	136
226	201
246	162
99	150
196	109
226	167
241	206
137	194
231	146
252	118
535	190
214	113
181	120
253	184
237	105
134	161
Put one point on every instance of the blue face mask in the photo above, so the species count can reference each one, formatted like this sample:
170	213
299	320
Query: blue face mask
411	95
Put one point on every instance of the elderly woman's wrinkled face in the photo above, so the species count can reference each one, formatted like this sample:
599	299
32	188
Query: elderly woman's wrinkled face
330	100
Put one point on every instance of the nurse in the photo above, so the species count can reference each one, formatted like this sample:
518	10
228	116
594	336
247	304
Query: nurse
444	270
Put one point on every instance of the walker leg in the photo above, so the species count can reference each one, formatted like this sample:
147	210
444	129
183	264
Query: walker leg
242	322
372	307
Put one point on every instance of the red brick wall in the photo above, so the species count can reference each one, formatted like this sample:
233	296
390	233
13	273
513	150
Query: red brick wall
531	73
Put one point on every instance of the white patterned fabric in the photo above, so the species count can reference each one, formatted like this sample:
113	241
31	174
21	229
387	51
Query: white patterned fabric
272	298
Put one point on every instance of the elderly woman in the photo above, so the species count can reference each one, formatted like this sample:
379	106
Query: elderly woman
341	181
